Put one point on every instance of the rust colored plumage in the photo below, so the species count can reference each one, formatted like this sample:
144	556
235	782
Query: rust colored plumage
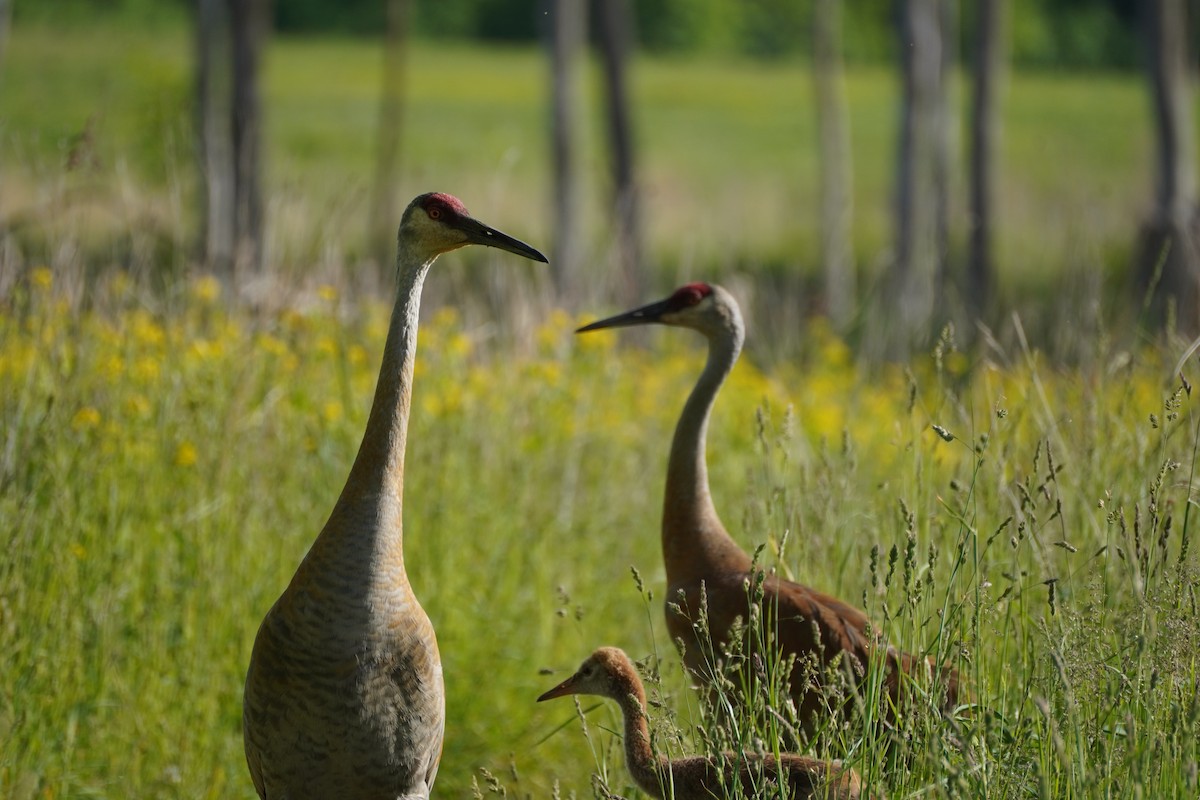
707	570
344	694
609	673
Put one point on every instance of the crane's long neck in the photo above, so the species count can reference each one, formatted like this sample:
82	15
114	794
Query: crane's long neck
376	482
647	769
694	540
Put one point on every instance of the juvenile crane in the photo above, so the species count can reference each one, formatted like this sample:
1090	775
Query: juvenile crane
609	673
344	694
701	558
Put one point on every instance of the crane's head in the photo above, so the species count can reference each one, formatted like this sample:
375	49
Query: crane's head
436	223
608	672
703	307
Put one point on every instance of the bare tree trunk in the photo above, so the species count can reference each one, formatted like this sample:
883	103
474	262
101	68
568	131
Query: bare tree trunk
212	135
943	140
837	203
984	133
1169	261
384	215
906	307
5	25
248	24
566	40
616	29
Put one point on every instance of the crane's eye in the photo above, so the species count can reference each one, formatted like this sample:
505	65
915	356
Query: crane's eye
434	213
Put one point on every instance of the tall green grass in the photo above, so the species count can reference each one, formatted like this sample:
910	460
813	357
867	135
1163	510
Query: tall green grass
166	462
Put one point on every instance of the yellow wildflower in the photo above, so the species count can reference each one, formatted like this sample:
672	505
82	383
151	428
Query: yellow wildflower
445	318
332	411
272	345
121	285
292	320
146	369
136	405
146	330
41	277
185	454
459	345
112	367
206	349
85	418
206	289
327	293
78	550
326	346
551	334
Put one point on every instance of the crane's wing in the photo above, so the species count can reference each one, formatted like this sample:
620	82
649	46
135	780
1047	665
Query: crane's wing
808	617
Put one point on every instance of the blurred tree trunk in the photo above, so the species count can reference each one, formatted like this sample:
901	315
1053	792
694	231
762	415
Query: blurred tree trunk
616	32
837	204
212	129
384	216
5	24
566	40
1169	263
943	139
906	307
984	133
248	25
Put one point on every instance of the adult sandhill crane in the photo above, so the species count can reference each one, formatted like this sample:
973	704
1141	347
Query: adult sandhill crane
703	561
344	694
609	673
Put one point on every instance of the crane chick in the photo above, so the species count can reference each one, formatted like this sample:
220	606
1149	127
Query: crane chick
609	673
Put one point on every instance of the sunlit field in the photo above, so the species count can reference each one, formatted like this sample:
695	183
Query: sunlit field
165	463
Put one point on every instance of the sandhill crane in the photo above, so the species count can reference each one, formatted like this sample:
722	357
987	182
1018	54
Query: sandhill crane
344	694
608	672
703	561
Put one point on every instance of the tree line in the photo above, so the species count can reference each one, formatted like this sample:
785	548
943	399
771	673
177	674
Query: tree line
921	281
1044	33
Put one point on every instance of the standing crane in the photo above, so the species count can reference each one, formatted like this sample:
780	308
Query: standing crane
609	673
344	694
707	572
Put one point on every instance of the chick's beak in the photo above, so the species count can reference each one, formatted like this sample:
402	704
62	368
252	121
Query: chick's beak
478	233
638	316
562	690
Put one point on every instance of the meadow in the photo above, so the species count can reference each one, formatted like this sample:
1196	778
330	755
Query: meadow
164	469
167	454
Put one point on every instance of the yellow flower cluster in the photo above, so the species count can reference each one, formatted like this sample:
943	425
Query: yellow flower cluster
173	389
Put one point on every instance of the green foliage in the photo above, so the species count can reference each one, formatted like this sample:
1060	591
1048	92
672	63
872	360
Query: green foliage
1044	33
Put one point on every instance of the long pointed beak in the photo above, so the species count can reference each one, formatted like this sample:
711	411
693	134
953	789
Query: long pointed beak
638	316
478	233
562	690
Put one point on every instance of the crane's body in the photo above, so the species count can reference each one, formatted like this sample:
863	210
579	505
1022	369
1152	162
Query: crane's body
609	673
707	572
344	694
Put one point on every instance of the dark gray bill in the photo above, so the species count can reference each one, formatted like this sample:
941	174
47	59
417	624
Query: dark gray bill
478	233
639	316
